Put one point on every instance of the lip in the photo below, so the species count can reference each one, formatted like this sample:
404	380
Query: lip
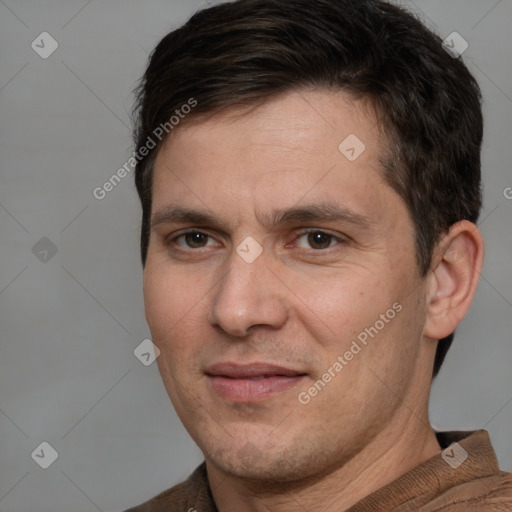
254	382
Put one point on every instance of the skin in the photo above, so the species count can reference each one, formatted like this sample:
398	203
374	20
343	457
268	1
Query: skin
300	304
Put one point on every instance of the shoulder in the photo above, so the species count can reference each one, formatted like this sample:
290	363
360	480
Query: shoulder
488	494
477	483
175	496
500	495
185	497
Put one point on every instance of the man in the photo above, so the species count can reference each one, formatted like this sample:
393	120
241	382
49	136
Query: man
309	172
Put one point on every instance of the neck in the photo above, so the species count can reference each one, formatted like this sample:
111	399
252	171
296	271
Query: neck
390	454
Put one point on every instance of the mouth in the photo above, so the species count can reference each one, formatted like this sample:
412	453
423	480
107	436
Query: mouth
251	383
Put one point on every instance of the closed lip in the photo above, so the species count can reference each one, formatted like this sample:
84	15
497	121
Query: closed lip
247	371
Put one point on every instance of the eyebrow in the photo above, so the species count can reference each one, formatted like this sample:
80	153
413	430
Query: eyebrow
318	212
177	214
322	212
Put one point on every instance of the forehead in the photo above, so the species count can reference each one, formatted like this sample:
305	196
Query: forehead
309	146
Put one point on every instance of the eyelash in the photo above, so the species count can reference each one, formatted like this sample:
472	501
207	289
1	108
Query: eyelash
339	239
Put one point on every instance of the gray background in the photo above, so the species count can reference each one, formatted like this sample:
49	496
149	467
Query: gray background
68	375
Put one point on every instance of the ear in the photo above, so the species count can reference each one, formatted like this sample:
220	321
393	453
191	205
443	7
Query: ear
457	264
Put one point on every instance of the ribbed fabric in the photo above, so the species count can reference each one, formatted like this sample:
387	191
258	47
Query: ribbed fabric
433	486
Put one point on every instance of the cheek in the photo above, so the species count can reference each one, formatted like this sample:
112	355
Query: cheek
165	300
341	303
175	302
157	299
175	315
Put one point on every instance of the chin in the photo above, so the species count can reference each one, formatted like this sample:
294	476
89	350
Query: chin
265	464
277	471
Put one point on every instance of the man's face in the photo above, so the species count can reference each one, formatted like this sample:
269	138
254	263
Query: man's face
246	339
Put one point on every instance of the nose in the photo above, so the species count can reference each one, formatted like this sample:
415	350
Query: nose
249	295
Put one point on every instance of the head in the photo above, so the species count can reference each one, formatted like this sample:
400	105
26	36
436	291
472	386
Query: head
269	118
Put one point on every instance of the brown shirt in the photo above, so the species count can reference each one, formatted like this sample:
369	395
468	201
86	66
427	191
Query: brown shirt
454	480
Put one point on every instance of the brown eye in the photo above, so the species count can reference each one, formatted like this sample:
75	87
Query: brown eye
196	240
319	240
193	239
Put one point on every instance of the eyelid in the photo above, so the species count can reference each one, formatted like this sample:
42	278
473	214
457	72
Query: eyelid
339	237
177	234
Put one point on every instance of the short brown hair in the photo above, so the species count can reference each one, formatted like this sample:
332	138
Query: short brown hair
247	51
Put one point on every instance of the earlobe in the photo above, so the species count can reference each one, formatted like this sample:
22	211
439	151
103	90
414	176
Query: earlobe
456	268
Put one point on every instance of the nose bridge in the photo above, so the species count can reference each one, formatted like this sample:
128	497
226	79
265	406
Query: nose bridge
249	294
